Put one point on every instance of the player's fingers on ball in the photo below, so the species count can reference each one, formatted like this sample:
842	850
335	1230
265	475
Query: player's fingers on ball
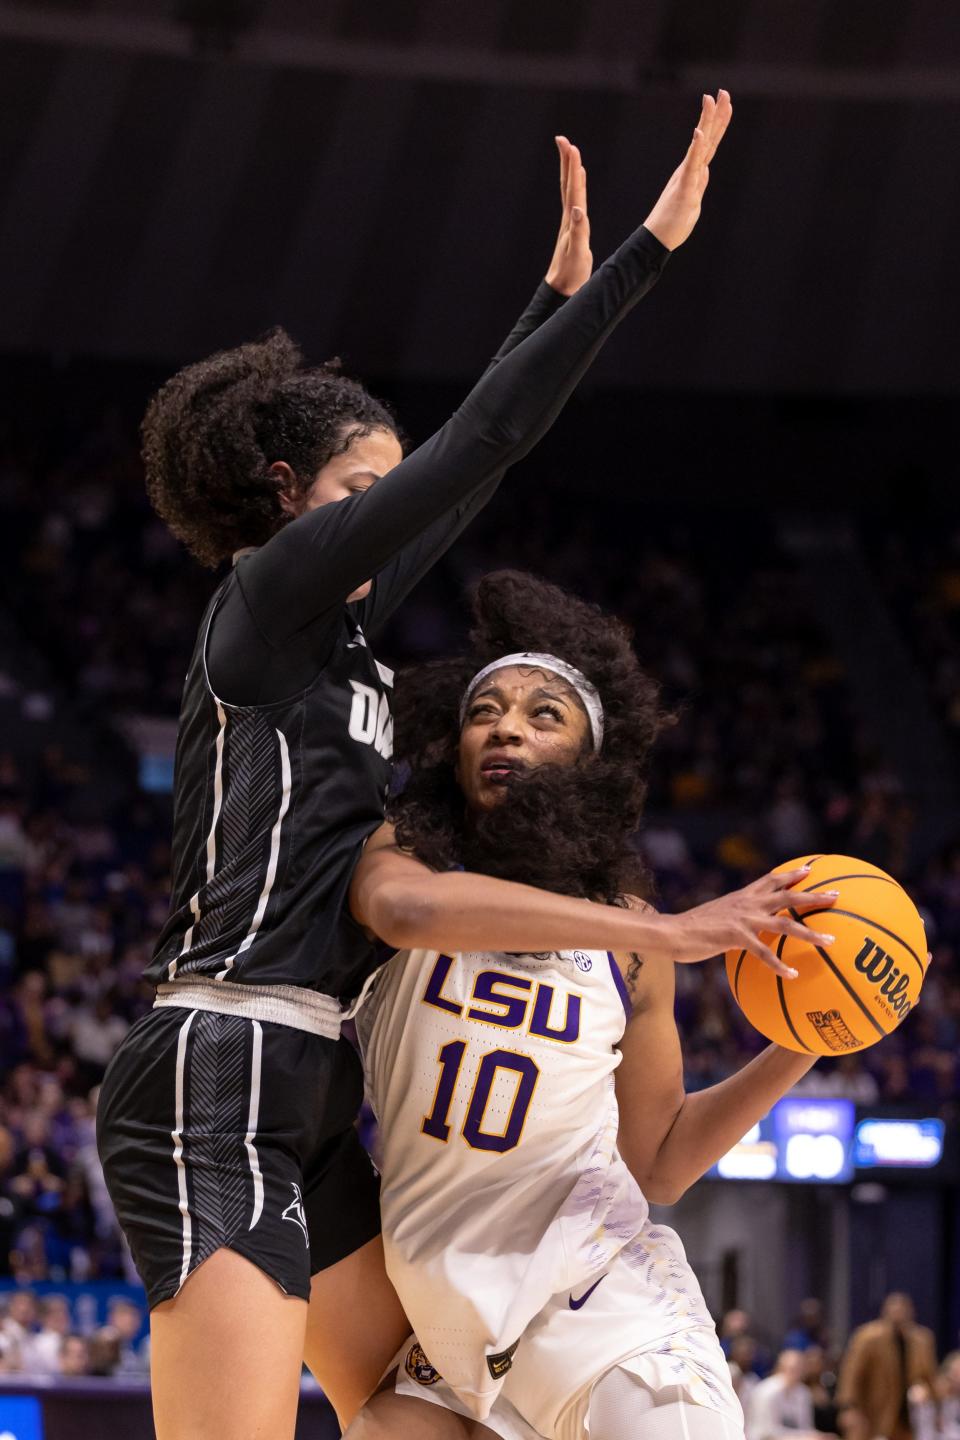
814	899
786	925
786	879
764	953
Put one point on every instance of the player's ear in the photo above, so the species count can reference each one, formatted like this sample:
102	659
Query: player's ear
286	483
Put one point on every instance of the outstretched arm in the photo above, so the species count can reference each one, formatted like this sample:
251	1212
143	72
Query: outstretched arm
570	267
669	1139
404	902
311	565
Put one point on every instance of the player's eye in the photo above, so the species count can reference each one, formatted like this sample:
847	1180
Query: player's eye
482	708
551	710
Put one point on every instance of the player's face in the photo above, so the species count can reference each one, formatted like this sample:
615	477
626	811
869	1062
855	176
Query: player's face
517	720
366	459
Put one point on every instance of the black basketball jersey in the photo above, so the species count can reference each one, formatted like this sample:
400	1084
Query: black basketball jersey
272	805
275	796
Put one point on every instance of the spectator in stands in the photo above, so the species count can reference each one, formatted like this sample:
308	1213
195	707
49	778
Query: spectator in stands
95	1033
734	1324
820	1378
41	1353
9	1356
19	1323
104	1351
781	1405
808	1329
947	1398
889	1365
28	1256
74	1357
742	1359
737	1325
126	1320
8	1209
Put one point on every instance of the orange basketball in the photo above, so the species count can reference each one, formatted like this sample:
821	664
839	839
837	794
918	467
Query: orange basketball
847	996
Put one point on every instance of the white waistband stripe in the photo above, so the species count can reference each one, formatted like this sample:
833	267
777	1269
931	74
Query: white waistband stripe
274	1004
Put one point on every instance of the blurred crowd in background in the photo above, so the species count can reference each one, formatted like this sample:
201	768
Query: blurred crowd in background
766	758
60	1337
884	1378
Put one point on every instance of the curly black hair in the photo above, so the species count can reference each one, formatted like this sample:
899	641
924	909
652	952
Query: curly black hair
564	829
212	432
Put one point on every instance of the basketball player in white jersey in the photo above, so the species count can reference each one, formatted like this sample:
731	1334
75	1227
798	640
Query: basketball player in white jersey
531	1099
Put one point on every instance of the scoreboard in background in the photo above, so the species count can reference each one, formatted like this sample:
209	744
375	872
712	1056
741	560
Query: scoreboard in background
893	1144
801	1139
819	1141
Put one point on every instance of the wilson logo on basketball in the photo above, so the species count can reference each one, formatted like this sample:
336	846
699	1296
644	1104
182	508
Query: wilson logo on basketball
878	967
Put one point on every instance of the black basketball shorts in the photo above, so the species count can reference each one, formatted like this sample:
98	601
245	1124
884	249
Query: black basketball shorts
217	1130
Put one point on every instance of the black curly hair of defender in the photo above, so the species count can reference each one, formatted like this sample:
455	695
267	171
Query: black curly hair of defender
563	828
212	432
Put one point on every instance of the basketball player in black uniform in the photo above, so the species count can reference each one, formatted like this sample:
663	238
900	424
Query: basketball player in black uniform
226	1118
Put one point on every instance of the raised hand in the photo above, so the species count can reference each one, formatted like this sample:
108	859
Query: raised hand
736	921
572	262
677	211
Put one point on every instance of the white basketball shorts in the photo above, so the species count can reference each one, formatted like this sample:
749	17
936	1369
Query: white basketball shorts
646	1314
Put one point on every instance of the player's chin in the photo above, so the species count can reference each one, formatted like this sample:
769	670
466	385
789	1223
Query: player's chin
361	592
490	791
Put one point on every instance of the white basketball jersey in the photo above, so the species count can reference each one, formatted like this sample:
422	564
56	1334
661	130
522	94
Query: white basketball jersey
492	1078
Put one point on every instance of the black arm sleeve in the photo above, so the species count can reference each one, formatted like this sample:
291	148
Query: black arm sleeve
409	565
300	578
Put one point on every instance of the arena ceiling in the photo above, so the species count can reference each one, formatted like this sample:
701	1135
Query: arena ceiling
176	175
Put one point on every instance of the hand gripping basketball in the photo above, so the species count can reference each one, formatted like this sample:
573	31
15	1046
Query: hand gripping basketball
751	919
848	994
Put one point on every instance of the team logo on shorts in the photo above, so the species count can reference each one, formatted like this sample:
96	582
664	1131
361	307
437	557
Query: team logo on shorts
296	1214
418	1367
582	960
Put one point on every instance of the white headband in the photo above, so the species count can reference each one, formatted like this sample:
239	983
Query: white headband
588	693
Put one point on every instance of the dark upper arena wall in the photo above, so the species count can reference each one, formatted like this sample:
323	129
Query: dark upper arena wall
380	178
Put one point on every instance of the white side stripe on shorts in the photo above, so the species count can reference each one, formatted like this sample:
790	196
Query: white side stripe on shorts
211	841
261	910
252	1123
176	1135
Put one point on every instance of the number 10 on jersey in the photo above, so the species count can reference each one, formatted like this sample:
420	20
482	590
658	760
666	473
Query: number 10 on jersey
491	1065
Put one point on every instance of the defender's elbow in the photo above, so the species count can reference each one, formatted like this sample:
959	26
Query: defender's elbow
401	916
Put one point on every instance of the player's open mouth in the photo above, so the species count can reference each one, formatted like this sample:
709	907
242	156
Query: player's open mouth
500	768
